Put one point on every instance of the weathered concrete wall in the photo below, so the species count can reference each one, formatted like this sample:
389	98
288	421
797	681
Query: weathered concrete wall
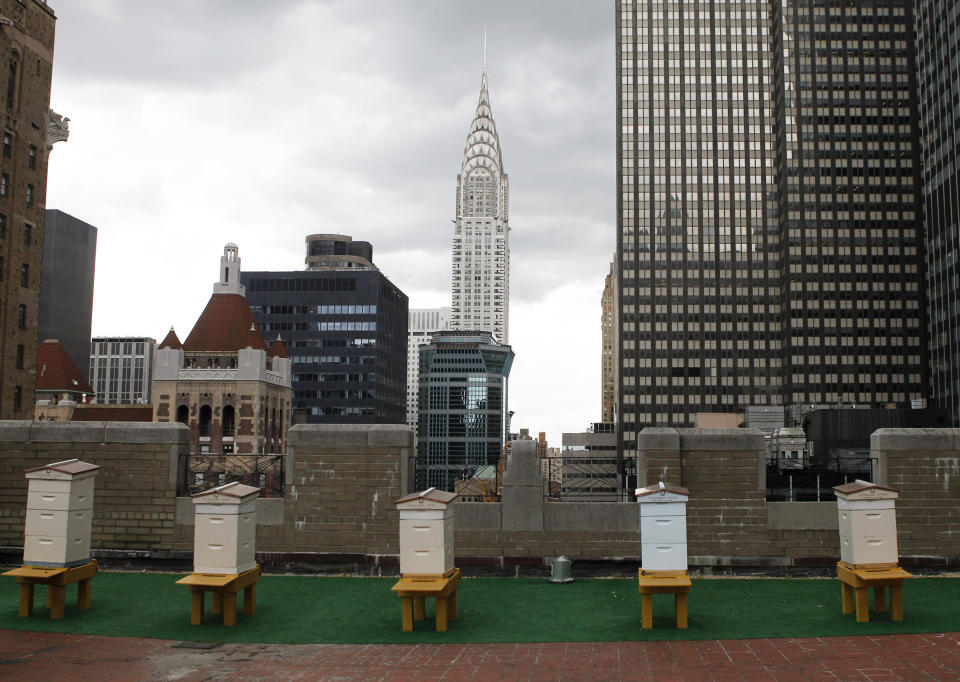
342	482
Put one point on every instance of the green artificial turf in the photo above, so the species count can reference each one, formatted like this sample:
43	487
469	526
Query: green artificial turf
297	609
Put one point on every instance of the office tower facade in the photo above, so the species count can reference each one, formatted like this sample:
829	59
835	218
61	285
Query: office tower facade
66	283
345	327
608	354
938	48
225	382
26	41
121	369
769	243
463	418
480	276
422	323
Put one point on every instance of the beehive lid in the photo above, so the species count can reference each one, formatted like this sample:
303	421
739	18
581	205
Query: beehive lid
864	490
662	493
229	493
431	498
66	470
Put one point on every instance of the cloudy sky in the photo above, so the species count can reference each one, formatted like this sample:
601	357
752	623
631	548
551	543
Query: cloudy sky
194	124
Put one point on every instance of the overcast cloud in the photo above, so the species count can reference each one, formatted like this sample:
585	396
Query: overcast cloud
194	124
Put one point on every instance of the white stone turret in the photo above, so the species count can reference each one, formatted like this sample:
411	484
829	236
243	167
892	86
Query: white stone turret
230	272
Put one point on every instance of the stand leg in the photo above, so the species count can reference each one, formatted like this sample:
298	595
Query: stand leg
216	602
896	602
863	604
49	601
57	596
419	609
83	594
196	607
646	611
26	600
406	606
442	606
880	599
452	606
847	598
229	608
680	607
250	599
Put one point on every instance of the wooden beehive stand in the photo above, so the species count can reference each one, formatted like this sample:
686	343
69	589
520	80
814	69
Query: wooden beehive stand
663	543
56	547
868	550
426	558
224	552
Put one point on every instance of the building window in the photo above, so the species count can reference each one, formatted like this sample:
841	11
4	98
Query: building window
20	356
32	157
22	316
29	195
7	145
4	184
27	233
3	226
25	275
1	268
17	397
12	69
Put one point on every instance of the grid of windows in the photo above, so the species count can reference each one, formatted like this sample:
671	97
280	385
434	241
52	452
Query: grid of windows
121	369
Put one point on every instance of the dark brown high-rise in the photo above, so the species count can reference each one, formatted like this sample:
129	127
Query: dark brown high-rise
26	46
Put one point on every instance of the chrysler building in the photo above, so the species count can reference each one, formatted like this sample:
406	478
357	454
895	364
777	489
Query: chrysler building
480	282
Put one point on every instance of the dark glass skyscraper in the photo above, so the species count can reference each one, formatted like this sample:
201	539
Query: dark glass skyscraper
345	327
938	50
769	242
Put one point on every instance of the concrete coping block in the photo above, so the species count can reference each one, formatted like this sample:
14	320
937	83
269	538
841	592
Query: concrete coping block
658	438
67	432
915	439
523	465
350	435
720	439
144	432
15	431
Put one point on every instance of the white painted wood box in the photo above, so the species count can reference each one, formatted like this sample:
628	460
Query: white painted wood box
225	529
868	523
663	527
59	514
426	532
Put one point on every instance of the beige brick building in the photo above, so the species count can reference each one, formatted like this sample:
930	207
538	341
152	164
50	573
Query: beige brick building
26	45
224	381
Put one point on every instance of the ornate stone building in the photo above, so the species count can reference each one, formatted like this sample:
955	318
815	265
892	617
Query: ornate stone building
26	46
224	381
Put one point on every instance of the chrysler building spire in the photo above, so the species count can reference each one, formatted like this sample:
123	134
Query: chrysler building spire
480	282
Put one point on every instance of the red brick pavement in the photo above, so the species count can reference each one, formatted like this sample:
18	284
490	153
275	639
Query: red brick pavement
46	656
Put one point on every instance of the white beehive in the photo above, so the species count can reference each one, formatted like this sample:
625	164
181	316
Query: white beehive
225	528
426	532
868	523
59	514
663	527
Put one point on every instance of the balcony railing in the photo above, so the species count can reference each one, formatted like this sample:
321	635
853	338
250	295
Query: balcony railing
589	478
204	471
813	479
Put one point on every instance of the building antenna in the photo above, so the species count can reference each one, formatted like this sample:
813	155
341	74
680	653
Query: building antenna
484	49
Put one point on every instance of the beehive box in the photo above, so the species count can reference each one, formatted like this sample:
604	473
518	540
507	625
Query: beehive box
663	527
426	532
59	514
225	528
868	523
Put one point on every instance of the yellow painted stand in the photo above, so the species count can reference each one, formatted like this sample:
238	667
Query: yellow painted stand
414	589
857	578
56	579
224	589
676	583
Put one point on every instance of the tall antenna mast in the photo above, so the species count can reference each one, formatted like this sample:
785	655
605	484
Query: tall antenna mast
484	49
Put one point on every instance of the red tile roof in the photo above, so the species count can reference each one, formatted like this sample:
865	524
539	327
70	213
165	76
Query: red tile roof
112	413
278	349
56	371
171	341
226	325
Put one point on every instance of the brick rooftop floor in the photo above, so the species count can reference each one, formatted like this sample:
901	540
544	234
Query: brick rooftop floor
48	656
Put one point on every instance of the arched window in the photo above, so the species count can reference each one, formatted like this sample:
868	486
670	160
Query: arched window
13	73
228	421
205	417
183	414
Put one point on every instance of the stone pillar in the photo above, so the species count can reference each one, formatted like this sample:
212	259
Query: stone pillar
658	457
522	499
